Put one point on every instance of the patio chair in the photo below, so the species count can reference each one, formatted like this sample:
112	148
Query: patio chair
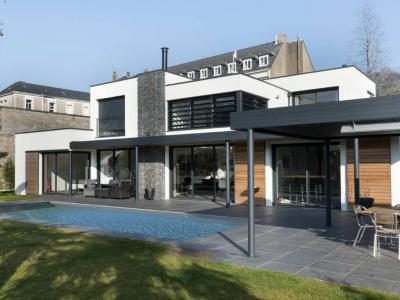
385	232
120	189
89	188
363	221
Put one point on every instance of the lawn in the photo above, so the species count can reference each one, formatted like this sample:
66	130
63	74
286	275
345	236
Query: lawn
39	262
10	196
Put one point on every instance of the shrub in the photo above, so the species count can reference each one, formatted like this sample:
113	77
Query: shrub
8	173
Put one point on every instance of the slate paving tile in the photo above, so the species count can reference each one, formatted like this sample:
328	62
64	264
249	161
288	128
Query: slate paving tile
321	274
346	255
281	267
378	273
368	282
309	252
329	266
295	260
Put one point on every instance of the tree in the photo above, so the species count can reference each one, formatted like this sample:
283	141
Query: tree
8	173
387	81
367	44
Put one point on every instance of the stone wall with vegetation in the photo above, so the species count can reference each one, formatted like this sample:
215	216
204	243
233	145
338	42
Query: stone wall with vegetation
13	120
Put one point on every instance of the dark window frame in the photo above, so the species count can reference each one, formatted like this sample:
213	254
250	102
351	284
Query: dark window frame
201	112
315	91
119	119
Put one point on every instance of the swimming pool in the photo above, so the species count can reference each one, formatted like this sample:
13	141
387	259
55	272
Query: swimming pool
160	225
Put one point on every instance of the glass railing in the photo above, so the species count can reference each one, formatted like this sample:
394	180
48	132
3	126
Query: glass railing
114	126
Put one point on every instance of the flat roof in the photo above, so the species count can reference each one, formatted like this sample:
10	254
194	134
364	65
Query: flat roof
321	120
166	140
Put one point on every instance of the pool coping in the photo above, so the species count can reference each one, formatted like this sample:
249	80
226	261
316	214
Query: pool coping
145	209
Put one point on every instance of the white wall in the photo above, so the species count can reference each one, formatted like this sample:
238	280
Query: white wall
127	88
343	176
224	84
173	78
351	82
40	141
269	175
395	169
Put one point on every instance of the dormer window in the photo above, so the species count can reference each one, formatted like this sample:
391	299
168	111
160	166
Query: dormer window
263	60
217	70
232	68
191	75
203	73
247	64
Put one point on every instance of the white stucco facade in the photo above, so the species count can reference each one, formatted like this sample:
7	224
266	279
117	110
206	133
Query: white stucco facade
51	140
352	83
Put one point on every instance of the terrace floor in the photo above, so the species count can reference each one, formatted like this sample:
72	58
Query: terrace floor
288	239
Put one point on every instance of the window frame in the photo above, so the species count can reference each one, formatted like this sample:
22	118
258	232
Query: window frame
208	111
191	75
263	60
54	106
66	107
30	102
204	73
230	71
248	61
219	68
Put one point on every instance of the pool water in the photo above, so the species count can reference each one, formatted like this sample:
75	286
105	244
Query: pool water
163	225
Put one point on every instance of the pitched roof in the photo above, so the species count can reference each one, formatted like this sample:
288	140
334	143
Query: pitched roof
221	59
25	87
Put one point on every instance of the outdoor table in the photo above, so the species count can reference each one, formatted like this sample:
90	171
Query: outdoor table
382	210
385	211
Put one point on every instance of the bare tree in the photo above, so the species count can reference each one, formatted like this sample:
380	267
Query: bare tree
368	38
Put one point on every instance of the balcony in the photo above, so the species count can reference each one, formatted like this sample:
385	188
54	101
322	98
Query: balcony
108	127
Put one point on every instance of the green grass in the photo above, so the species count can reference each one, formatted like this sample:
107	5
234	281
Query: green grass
10	196
39	262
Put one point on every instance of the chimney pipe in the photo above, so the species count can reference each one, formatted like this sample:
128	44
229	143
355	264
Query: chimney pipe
164	62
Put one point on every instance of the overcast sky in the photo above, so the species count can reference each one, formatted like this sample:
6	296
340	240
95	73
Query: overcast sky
75	43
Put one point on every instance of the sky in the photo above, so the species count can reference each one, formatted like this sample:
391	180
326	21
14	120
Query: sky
74	44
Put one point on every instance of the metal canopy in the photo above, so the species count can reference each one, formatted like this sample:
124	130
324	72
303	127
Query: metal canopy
165	140
321	120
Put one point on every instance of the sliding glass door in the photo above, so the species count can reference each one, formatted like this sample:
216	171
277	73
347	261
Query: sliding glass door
117	165
182	172
300	175
57	168
200	172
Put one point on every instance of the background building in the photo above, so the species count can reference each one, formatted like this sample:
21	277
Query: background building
26	107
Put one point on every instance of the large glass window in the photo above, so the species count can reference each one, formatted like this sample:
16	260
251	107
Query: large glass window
300	175
111	121
80	170
117	165
253	102
316	96
182	172
200	172
56	171
49	167
201	112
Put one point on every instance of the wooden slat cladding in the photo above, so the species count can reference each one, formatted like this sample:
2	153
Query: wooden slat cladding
241	173
375	172
32	172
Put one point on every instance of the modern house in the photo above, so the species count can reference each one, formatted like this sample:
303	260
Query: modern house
170	130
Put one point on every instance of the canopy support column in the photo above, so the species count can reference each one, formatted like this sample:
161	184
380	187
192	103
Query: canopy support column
136	173
328	217
228	175
250	191
70	173
356	149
